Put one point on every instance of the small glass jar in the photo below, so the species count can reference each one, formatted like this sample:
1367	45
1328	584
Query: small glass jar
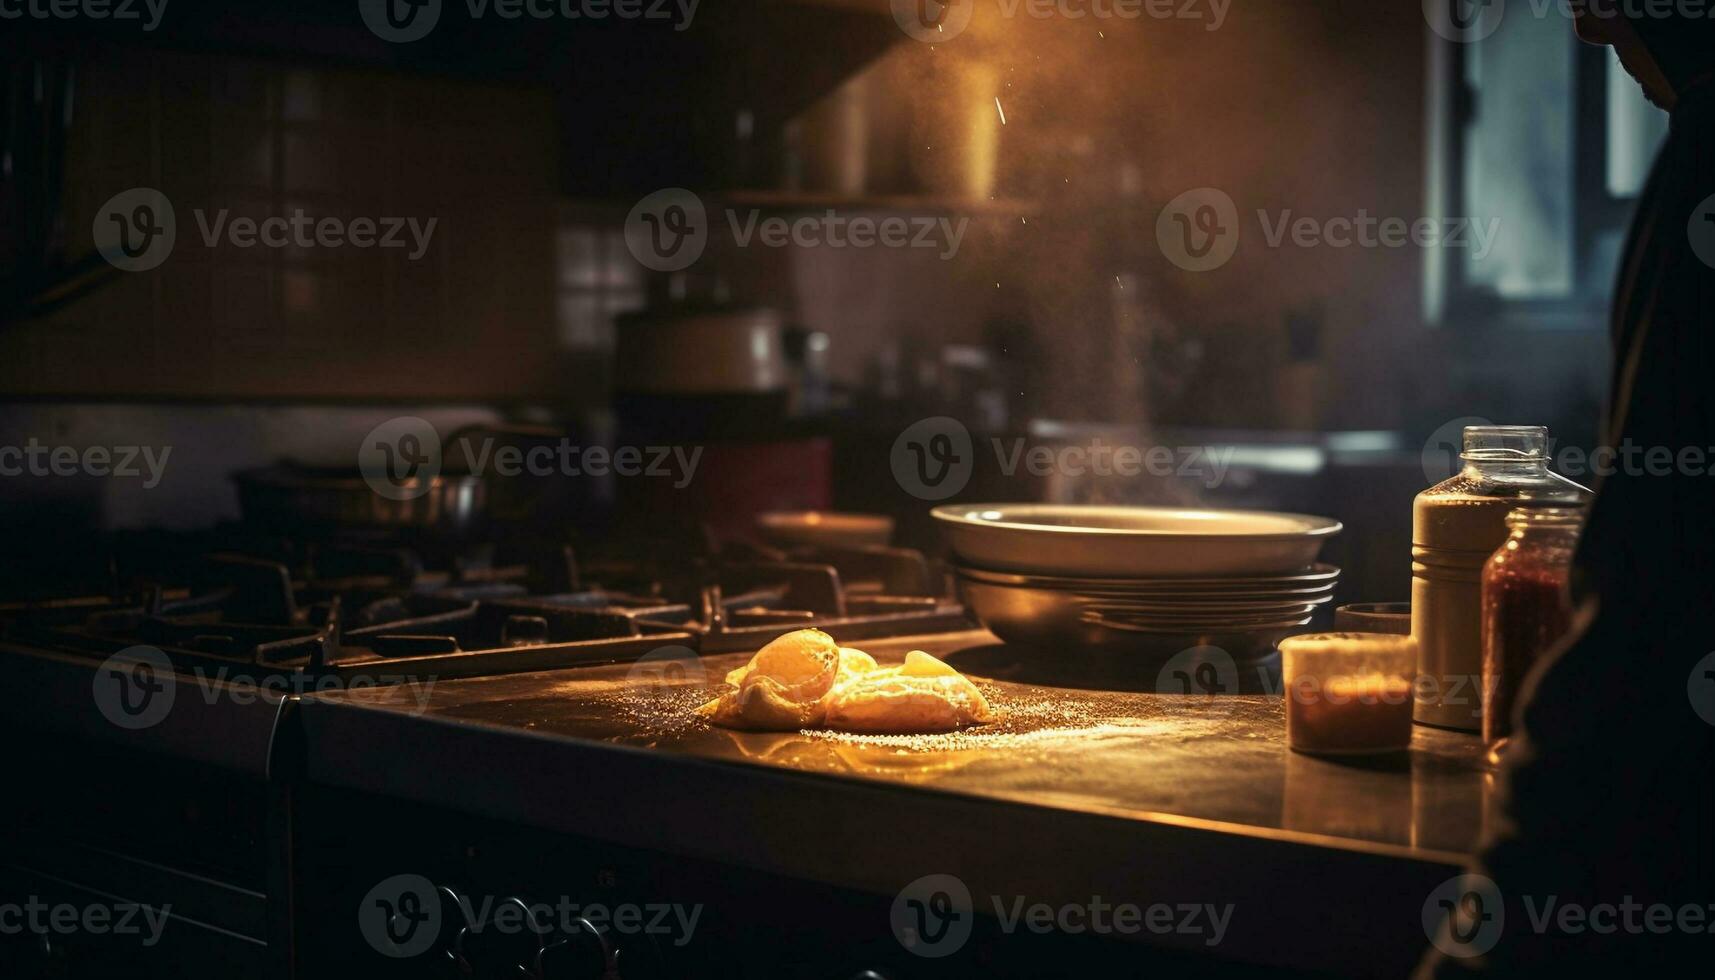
1526	606
1348	693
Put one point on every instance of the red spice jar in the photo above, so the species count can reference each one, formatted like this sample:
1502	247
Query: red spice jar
1526	605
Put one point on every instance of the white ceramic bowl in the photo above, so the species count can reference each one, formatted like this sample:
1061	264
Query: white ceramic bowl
1131	542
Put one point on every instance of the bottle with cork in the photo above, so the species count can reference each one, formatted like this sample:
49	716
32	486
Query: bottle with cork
1456	525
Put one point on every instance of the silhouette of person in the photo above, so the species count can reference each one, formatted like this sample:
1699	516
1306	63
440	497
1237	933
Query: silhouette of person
1607	794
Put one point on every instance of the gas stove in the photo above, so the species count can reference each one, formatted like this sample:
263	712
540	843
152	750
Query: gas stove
163	670
258	606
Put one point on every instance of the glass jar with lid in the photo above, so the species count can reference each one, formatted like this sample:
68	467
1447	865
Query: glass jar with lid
1527	606
1456	525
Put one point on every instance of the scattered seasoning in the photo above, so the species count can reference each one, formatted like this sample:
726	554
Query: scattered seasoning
662	712
1029	718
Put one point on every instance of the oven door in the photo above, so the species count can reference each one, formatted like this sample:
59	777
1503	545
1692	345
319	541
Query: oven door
117	862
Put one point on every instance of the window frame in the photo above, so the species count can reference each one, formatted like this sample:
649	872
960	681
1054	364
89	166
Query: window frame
1596	212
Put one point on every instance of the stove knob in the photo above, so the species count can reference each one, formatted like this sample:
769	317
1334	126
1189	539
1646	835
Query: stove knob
639	958
453	924
582	955
506	944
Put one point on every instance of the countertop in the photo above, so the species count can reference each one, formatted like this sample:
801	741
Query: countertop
1076	792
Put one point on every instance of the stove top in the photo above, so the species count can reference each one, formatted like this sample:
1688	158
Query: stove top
263	604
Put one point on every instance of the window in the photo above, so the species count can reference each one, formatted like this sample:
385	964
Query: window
1551	137
598	278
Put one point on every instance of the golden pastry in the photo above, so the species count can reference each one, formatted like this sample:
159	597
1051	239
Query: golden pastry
781	688
922	695
803	680
852	663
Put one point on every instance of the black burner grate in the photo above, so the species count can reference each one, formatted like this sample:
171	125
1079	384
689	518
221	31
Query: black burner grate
223	600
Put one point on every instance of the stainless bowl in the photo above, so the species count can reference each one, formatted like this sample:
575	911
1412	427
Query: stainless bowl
1177	594
1131	542
1315	579
1203	610
1057	619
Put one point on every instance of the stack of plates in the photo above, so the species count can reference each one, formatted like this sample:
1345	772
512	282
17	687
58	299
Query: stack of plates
1142	579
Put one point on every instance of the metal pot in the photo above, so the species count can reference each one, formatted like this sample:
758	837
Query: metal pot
297	497
453	505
